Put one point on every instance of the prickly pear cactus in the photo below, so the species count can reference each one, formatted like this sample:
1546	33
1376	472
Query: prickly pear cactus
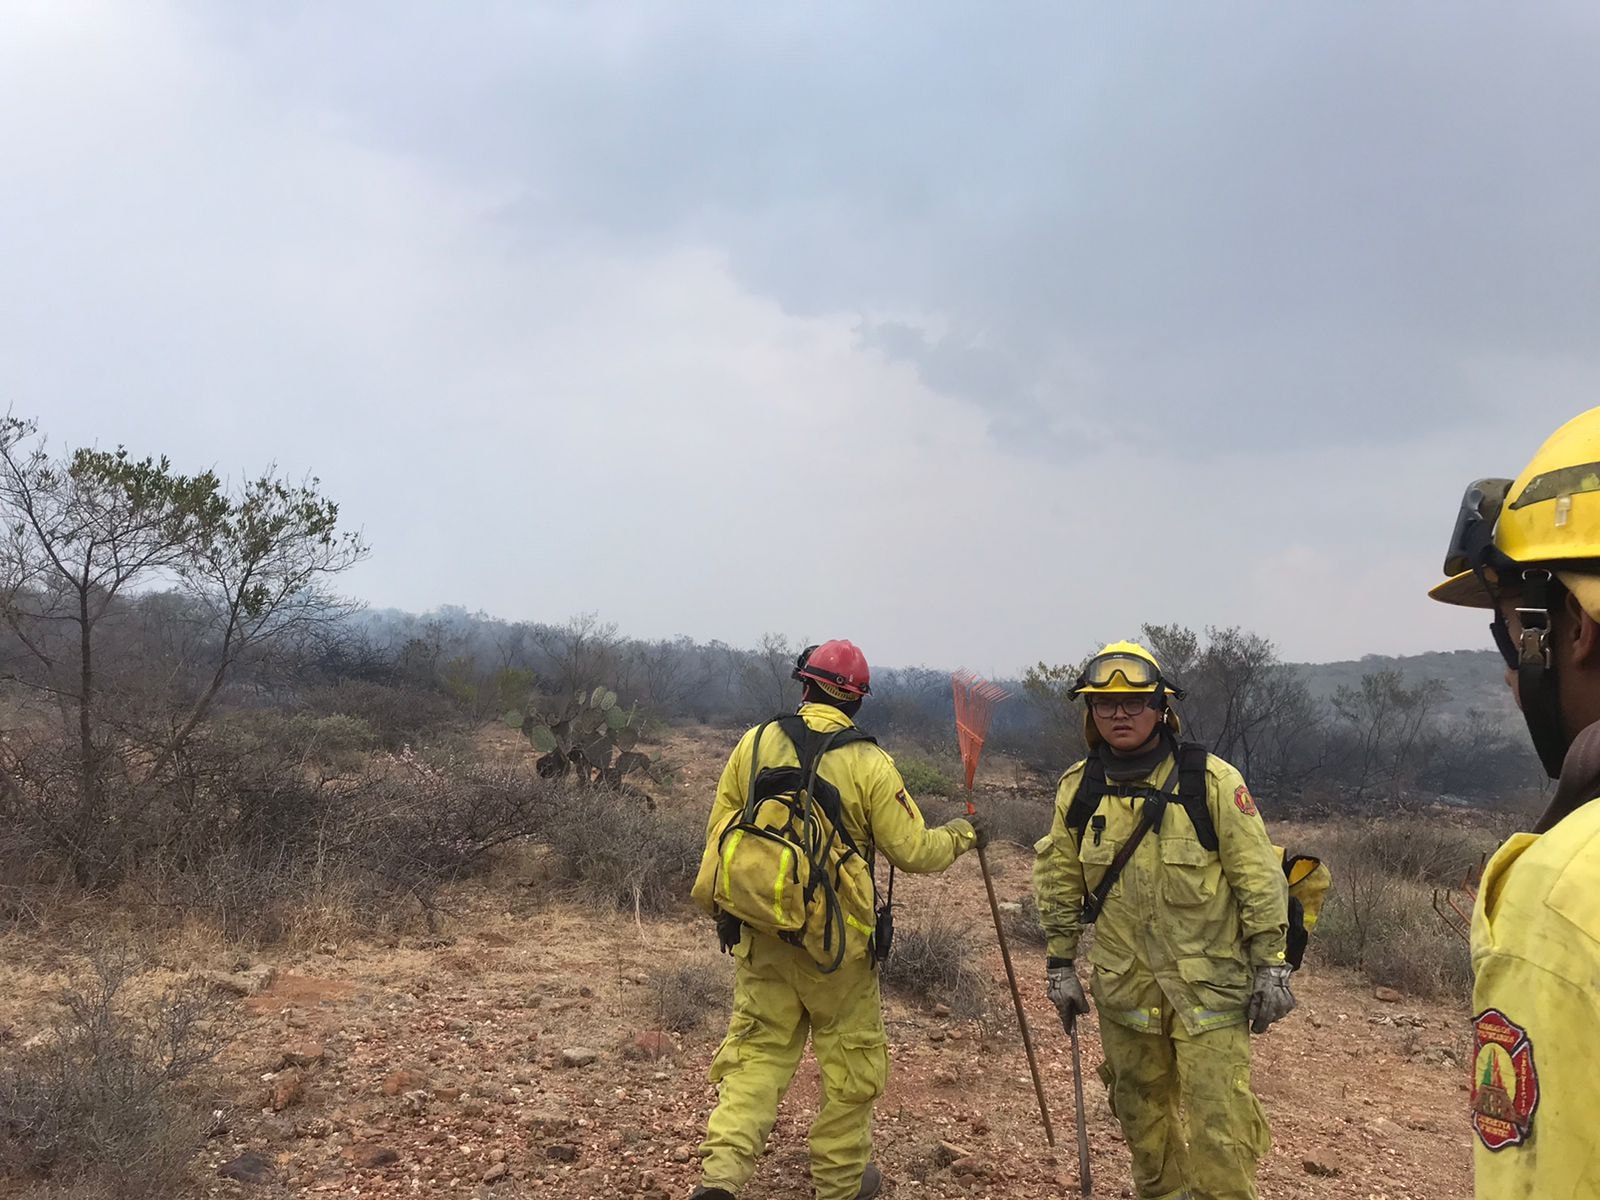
590	737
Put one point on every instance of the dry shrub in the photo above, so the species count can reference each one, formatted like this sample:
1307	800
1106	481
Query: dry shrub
106	1104
1020	818
1427	851
933	962
1379	917
281	856
616	852
1022	925
685	997
396	715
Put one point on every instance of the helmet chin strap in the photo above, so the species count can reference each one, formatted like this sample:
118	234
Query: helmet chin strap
1536	671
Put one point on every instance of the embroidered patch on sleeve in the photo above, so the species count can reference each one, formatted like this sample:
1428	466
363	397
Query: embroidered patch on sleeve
1505	1084
905	802
1244	801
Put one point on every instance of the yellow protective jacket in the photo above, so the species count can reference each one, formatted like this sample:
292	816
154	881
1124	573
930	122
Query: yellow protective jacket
1536	1013
1184	927
878	811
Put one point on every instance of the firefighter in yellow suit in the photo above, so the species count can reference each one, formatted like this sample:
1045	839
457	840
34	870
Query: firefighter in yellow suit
1189	946
780	996
1529	550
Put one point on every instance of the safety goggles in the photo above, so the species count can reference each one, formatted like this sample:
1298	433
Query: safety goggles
1136	672
1132	703
1472	540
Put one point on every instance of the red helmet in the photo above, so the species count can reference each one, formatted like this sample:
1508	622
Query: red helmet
835	665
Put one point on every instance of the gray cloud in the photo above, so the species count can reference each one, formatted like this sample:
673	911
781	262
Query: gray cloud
1064	291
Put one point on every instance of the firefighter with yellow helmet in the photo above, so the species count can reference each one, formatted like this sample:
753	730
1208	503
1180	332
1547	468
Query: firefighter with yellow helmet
1529	550
1160	846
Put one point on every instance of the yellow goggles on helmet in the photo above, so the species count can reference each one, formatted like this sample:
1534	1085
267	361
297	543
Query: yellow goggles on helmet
1123	672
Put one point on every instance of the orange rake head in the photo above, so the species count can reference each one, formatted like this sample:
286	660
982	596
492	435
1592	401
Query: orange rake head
1457	914
975	701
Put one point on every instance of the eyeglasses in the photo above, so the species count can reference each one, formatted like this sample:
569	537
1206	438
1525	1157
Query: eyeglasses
1110	706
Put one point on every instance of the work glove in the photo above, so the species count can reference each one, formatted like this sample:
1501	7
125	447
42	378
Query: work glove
729	931
982	829
1065	992
1270	998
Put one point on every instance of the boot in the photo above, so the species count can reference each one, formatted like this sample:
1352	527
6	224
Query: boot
871	1181
710	1193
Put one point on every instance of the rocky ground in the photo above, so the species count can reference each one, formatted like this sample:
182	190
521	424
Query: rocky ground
520	1059
519	1053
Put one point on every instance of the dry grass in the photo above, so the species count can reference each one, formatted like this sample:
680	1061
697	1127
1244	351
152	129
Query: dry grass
105	1103
616	853
934	962
685	998
1379	917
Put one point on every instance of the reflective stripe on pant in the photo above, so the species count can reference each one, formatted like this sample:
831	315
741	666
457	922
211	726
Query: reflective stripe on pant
779	998
1191	1121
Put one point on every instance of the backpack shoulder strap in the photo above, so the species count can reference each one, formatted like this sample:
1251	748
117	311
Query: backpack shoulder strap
810	745
1091	788
1194	793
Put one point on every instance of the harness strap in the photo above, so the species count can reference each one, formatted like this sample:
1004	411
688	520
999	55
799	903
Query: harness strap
1155	807
1192	793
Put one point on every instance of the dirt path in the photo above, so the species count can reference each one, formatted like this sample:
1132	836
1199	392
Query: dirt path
439	1070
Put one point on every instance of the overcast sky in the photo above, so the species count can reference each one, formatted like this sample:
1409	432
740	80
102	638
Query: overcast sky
977	333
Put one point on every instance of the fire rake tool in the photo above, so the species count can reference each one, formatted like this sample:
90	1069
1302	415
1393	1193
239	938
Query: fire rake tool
1456	915
975	700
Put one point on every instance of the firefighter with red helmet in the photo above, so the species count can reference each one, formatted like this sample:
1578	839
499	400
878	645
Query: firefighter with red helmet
783	995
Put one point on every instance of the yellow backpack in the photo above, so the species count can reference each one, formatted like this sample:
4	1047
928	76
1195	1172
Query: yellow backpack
1309	881
785	864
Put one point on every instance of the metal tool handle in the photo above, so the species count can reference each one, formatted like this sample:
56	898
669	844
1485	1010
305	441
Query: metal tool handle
1016	996
1085	1175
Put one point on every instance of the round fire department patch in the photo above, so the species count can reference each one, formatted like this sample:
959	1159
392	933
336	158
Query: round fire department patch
1244	801
1505	1084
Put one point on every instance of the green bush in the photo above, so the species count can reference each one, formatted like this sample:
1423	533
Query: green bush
923	778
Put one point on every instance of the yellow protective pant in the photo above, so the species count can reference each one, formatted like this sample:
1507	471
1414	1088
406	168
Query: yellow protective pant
1193	1125
778	998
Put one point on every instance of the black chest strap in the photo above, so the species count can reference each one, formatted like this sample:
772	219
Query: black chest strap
1193	793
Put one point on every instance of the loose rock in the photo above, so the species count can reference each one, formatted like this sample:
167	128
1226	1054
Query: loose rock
288	1089
367	1155
650	1046
403	1080
301	1054
249	1167
1322	1164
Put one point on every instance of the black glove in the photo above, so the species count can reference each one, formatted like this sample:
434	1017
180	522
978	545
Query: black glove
1066	993
729	930
982	828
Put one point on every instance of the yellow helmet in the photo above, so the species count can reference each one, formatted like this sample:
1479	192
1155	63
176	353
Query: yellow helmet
1124	668
1120	667
1548	516
1538	534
